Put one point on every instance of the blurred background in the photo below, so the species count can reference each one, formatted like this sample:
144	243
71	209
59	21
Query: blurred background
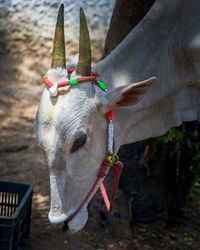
27	31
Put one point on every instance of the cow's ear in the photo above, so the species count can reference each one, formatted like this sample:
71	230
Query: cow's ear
128	95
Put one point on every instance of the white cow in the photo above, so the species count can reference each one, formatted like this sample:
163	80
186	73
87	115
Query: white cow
71	125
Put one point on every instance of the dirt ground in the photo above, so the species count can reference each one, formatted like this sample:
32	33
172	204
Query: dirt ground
22	160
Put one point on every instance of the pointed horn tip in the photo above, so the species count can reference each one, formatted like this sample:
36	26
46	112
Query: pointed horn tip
82	12
62	6
61	9
61	12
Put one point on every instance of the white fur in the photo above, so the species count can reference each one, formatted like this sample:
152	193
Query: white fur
57	75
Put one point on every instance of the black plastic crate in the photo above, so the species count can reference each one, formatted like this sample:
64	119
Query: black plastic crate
15	214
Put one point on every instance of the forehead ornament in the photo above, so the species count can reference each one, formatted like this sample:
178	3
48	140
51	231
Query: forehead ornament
53	87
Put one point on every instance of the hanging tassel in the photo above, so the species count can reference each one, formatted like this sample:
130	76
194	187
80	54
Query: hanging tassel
110	133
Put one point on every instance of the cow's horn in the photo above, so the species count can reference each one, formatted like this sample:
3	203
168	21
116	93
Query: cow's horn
58	59
84	62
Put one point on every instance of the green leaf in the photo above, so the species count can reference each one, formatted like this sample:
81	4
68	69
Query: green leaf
178	155
189	143
177	148
197	146
197	187
191	204
196	193
189	243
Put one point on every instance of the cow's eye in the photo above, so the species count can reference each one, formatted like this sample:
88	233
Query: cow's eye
80	142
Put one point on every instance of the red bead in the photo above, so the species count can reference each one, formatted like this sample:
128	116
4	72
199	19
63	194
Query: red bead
110	115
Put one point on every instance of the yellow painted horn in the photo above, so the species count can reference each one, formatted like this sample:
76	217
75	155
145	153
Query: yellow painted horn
58	59
84	63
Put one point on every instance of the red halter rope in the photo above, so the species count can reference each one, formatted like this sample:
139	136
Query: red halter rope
92	78
110	161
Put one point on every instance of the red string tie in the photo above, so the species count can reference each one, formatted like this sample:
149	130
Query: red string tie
102	171
117	168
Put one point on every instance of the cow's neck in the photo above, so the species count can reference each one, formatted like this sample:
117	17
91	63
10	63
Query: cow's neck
146	52
147	47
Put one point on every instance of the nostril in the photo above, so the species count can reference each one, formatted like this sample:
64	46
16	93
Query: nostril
65	227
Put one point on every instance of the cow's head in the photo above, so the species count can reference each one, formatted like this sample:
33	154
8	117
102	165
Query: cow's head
71	127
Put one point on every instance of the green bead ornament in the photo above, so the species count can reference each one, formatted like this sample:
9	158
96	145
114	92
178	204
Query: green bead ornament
111	159
73	81
102	85
114	160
